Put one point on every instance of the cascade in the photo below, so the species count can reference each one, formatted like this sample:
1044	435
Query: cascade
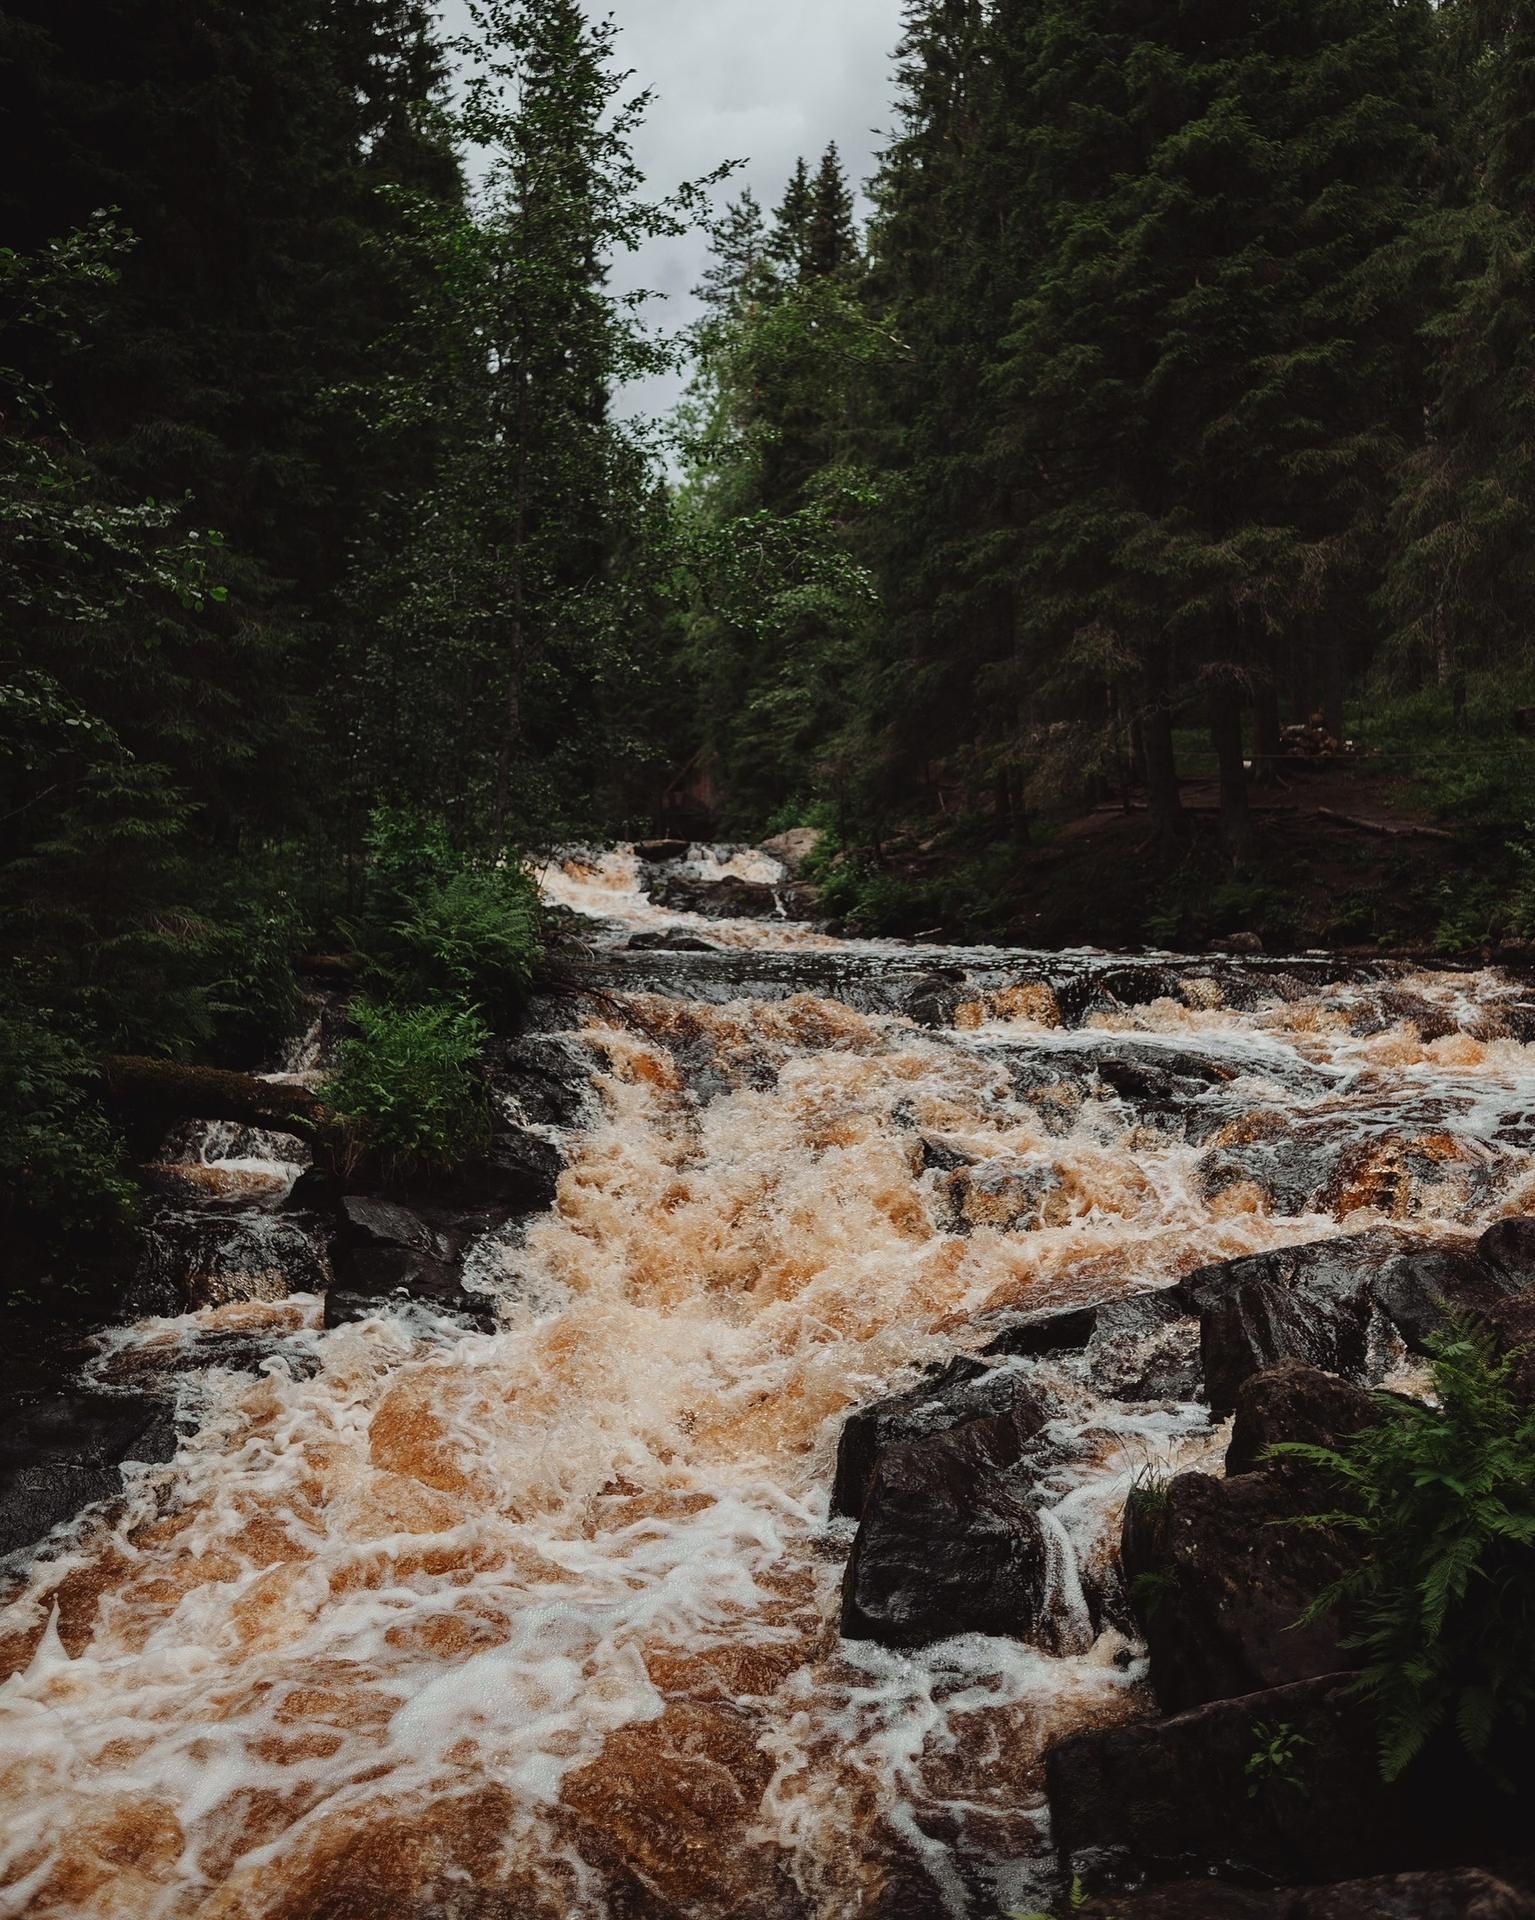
540	1617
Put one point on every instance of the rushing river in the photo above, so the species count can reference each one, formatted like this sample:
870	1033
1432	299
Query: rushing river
542	1622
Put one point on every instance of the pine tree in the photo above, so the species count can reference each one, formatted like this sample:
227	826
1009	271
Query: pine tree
1210	416
831	239
1463	529
790	241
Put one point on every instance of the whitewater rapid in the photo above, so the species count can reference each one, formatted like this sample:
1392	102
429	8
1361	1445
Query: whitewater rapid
543	1621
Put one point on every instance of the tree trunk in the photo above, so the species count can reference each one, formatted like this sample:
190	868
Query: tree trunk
1332	690
1163	800
1266	714
1226	732
160	1092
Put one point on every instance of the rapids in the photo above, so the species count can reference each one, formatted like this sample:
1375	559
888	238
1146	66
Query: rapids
542	1622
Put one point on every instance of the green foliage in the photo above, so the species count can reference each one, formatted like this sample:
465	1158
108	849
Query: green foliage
409	1091
1441	1500
443	926
61	1167
1276	1759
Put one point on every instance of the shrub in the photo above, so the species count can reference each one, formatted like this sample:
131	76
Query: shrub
1443	1598
443	926
408	1089
60	1159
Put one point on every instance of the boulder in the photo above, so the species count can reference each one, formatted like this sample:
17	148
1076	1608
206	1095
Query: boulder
1190	1795
1219	1583
544	1079
1143	1347
947	1543
963	1390
670	940
1310	1302
1512	1325
794	847
60	1451
1422	1288
728	898
934	998
1295	1402
389	1253
520	1173
1466	1894
658	852
189	1260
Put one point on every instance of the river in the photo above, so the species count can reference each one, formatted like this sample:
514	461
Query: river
543	1622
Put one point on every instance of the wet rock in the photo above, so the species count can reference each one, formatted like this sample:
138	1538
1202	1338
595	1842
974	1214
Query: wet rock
1174	1796
211	1259
1219	1583
963	1390
60	1451
1111	988
520	1173
728	898
1295	1402
1422	1288
934	999
948	1544
1145	1347
1238	943
394	1280
938	1153
390	1253
1058	1330
1468	1894
372	1221
1310	1303
660	851
1509	1247
670	940
1512	1326
546	1077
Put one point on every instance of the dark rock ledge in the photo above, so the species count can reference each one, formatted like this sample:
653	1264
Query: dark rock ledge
1168	1817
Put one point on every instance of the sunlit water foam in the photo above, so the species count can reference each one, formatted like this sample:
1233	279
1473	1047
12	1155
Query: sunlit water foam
547	1616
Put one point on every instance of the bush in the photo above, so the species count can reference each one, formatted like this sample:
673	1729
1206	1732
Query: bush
409	1091
1443	1599
60	1159
442	926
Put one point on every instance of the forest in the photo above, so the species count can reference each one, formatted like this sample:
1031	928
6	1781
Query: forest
1173	402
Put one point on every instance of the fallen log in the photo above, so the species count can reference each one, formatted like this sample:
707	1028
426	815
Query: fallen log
157	1093
1406	830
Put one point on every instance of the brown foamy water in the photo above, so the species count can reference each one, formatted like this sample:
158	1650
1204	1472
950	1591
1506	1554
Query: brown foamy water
543	1622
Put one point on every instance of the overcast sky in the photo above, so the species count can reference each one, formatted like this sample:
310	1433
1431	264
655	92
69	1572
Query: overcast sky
761	81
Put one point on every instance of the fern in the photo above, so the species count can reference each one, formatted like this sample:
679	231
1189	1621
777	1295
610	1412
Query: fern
1442	1601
